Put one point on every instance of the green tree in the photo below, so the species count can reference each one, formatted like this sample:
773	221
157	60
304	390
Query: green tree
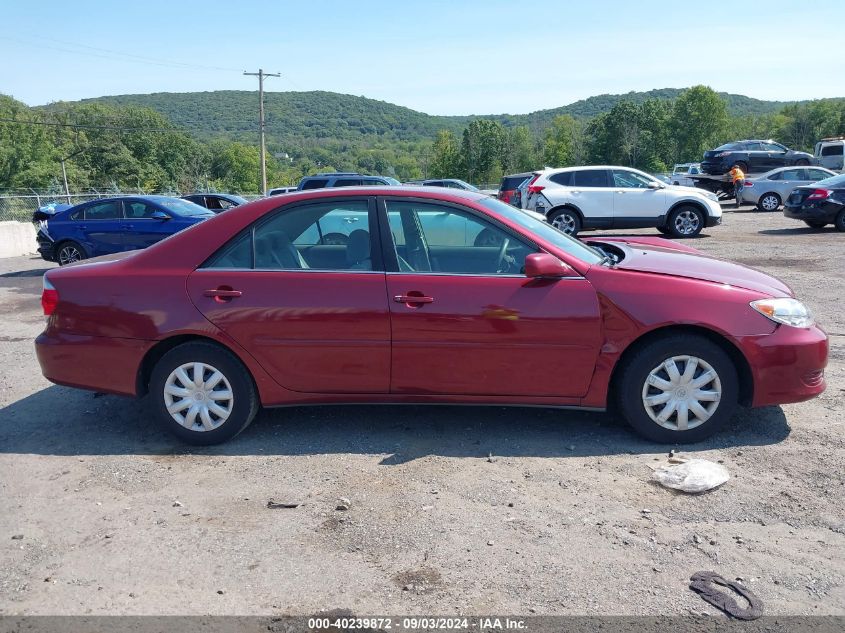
519	153
564	142
482	146
445	156
699	121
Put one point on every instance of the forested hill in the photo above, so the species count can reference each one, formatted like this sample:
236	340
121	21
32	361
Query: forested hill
292	116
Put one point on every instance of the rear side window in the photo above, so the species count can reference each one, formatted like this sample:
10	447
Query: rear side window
833	150
316	183
103	211
563	178
792	174
776	176
591	178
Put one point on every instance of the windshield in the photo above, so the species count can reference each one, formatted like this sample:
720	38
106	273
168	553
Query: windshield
546	231
181	207
467	186
833	181
392	181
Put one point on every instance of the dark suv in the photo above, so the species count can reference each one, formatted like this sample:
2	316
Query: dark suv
343	179
752	157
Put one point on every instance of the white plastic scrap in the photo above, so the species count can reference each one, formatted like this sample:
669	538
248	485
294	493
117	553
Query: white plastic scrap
695	475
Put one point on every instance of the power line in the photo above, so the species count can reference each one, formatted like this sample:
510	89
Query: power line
86	126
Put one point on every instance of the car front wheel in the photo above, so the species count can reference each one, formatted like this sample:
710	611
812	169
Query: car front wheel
202	393
680	388
769	202
685	221
566	220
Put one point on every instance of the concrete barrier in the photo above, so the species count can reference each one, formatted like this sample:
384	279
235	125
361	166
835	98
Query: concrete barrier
17	238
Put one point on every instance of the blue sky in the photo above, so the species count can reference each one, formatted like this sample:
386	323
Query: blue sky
457	57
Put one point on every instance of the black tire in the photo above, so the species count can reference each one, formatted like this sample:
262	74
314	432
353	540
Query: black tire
743	166
665	230
244	400
802	162
567	220
769	202
815	225
637	368
681	222
839	223
68	252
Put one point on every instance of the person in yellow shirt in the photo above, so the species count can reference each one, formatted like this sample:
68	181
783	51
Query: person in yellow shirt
738	179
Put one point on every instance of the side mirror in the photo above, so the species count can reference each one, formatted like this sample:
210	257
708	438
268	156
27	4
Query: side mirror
548	266
160	215
654	185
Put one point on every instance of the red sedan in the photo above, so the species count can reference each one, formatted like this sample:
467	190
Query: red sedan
417	295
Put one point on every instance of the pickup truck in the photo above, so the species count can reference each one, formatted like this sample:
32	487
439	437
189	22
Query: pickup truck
830	153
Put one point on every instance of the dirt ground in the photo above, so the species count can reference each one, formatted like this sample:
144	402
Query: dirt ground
450	510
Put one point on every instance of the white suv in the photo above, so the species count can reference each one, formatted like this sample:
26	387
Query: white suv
608	197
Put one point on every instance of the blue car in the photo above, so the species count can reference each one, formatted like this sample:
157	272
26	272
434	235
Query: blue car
113	225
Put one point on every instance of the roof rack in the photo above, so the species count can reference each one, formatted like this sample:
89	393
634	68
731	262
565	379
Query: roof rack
339	173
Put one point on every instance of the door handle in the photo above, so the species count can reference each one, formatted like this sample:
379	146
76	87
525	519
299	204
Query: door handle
420	298
575	191
222	295
619	191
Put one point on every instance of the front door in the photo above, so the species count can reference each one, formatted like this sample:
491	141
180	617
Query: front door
635	203
141	229
466	320
303	292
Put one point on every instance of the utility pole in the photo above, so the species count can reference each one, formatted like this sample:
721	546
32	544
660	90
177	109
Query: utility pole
261	75
64	172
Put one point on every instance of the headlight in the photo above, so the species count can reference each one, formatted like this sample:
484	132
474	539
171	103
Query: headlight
785	310
711	196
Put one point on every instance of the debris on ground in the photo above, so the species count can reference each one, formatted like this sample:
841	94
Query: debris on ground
700	582
694	475
276	505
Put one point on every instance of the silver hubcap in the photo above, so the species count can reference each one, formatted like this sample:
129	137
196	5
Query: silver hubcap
682	393
198	396
565	222
69	254
769	203
687	222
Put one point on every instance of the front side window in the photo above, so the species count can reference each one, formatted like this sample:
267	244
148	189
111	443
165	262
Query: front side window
630	179
818	174
773	147
591	178
103	211
324	236
443	239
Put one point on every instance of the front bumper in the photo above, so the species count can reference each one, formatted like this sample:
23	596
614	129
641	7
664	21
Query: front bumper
787	365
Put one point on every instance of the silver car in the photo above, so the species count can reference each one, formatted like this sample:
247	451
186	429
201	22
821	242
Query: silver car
769	190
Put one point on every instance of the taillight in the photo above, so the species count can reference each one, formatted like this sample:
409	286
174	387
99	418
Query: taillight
819	194
535	188
49	297
748	183
530	188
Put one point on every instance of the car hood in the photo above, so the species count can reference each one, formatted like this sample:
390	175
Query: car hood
685	189
654	257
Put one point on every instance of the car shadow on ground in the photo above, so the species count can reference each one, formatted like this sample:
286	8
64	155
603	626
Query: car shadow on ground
62	421
37	272
798	230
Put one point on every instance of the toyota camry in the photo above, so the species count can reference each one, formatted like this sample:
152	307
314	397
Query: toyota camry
387	294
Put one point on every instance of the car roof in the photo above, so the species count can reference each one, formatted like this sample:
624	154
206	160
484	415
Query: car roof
381	190
554	170
780	169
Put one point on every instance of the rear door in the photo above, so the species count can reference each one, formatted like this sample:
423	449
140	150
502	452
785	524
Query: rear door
591	192
634	202
102	228
466	320
316	327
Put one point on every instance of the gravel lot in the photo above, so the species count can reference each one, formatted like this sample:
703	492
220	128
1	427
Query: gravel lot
451	510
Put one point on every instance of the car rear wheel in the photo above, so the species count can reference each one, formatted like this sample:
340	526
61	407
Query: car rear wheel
839	223
685	221
802	162
202	393
815	225
69	252
743	166
769	202
566	220
681	388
